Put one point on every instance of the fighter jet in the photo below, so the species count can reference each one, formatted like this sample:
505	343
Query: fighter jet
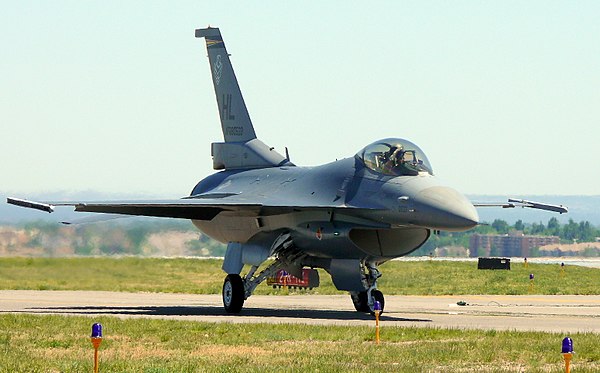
346	217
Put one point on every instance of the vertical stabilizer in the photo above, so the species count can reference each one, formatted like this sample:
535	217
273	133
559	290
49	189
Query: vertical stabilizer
241	149
235	120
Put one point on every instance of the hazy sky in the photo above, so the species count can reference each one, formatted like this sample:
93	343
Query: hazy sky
116	96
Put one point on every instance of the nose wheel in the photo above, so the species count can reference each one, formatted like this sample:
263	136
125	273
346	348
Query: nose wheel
233	293
376	296
362	304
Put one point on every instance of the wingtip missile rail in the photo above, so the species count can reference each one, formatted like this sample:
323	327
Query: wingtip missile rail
540	206
512	203
30	204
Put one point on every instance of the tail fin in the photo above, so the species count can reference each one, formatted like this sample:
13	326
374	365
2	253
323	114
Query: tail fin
235	120
241	149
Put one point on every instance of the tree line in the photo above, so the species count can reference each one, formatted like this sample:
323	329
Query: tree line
130	237
570	232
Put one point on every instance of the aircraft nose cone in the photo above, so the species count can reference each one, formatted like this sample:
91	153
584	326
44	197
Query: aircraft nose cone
447	209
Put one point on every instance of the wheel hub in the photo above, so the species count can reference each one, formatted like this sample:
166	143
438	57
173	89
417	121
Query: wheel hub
227	293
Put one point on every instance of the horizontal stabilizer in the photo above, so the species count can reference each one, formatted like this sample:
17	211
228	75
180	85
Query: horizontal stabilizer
96	218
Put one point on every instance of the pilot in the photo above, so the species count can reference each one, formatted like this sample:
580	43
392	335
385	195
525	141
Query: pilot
398	155
393	158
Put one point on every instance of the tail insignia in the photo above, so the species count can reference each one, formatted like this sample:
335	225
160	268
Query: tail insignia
218	69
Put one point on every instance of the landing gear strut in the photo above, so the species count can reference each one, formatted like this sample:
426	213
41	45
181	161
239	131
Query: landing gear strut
364	301
237	289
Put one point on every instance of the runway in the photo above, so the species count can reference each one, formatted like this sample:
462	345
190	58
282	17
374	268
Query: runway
560	313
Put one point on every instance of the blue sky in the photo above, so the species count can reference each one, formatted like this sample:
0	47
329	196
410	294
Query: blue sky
116	97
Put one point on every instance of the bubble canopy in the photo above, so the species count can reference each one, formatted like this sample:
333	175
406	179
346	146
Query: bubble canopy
395	157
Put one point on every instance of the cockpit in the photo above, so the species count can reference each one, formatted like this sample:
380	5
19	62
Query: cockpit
395	157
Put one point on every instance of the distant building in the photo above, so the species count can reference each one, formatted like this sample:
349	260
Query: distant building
513	244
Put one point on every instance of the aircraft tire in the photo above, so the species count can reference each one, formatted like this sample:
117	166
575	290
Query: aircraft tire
360	301
377	296
233	293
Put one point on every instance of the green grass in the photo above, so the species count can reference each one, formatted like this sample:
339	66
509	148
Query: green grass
463	278
30	343
196	276
131	274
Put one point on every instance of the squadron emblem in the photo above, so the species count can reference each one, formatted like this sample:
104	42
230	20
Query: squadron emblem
218	69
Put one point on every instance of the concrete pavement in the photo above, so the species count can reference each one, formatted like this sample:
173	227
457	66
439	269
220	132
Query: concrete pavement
560	313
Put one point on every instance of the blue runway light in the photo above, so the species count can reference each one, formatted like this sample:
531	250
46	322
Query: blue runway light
567	345
531	282
377	309
97	330
96	339
567	352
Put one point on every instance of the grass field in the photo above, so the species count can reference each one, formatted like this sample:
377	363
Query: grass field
32	343
61	344
197	276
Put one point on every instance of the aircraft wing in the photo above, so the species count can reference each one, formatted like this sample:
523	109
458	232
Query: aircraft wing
203	209
512	203
200	207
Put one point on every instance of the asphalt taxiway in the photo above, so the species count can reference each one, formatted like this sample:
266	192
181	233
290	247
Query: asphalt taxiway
559	313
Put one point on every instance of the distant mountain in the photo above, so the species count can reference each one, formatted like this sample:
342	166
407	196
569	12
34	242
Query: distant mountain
581	208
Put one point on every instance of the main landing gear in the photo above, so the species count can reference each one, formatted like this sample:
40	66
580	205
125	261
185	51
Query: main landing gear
237	289
364	301
233	293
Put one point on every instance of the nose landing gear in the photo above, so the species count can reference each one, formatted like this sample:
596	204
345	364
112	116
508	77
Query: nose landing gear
362	304
364	301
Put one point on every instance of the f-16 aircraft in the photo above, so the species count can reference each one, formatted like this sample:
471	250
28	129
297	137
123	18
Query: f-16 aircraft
346	217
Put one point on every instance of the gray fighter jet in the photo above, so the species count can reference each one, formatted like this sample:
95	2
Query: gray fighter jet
346	217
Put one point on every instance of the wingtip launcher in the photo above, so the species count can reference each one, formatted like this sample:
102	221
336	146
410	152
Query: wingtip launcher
512	203
540	206
30	204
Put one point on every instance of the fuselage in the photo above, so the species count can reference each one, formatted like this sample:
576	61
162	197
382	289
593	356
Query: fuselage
341	209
